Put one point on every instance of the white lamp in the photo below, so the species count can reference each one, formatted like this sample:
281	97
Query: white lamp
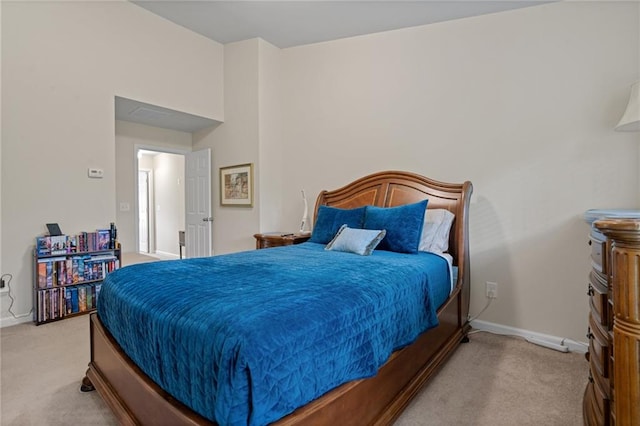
630	121
304	226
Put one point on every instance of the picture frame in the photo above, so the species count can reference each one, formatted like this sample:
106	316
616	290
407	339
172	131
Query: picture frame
236	185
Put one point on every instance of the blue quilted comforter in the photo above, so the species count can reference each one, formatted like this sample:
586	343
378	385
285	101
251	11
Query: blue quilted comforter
246	338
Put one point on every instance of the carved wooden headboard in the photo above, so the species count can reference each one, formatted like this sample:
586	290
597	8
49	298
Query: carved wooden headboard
394	188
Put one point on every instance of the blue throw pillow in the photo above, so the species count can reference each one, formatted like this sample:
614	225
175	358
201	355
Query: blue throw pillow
330	219
402	223
358	241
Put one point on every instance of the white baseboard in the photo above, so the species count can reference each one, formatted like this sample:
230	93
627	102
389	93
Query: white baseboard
19	319
552	342
166	254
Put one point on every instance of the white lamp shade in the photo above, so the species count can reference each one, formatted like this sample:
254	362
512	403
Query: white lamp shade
630	121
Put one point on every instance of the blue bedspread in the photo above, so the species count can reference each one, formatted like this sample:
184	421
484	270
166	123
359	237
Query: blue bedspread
246	338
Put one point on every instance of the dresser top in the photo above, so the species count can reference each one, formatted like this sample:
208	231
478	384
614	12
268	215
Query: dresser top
595	214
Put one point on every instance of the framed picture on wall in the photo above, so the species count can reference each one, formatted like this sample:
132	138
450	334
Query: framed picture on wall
236	185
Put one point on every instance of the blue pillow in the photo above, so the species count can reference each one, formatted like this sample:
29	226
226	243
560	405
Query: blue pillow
330	219
358	241
402	223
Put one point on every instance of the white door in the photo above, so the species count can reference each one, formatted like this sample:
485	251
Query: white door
198	203
143	212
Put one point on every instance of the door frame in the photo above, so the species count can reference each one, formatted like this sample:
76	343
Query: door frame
137	148
149	174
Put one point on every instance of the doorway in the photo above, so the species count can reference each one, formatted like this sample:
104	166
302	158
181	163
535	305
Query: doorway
160	202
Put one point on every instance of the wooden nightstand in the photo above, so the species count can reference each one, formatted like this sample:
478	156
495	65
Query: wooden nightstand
277	239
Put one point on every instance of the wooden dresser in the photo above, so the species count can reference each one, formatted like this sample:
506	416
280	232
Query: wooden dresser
612	396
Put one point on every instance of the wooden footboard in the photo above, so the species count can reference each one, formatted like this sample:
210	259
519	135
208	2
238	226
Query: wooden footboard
132	396
135	399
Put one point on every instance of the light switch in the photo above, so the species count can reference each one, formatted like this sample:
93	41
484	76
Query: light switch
95	173
124	207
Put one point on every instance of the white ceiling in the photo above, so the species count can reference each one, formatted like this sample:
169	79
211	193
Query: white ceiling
294	23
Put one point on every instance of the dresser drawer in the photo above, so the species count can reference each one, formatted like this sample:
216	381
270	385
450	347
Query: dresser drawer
599	349
268	243
592	408
610	313
598	298
611	367
600	400
598	253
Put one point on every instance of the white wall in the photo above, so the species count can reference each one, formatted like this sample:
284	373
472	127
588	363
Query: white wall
271	172
63	63
169	201
1	270
129	136
251	133
522	103
4	300
234	142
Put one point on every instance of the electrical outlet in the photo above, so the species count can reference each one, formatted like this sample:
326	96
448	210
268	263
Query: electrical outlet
491	290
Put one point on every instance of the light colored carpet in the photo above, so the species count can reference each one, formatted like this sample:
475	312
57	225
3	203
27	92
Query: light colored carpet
131	258
499	380
42	367
493	380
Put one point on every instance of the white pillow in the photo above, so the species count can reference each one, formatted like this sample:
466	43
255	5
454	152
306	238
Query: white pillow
435	231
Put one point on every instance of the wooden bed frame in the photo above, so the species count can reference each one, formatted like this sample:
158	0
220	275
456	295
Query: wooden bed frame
136	399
